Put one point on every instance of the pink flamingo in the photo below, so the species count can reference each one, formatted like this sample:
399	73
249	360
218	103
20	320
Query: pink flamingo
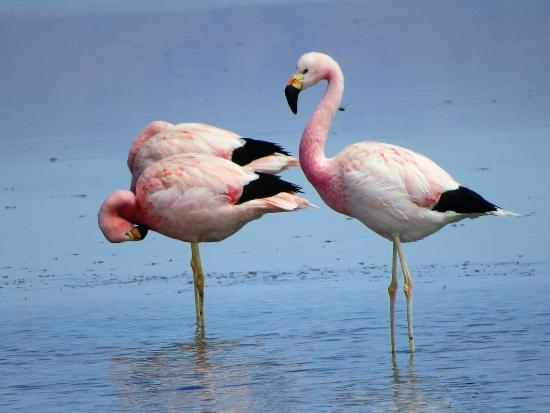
161	139
195	198
399	194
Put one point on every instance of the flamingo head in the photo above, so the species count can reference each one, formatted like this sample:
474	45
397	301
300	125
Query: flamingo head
311	68
115	216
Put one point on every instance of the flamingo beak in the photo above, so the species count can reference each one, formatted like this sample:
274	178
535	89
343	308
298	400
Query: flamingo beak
292	90
138	233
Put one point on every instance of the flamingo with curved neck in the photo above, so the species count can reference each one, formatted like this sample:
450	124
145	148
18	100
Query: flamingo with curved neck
160	140
399	194
118	215
195	198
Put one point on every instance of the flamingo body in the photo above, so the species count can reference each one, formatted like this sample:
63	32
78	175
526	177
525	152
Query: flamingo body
390	189
193	198
162	139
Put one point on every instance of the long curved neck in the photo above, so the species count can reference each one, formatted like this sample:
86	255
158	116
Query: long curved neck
312	146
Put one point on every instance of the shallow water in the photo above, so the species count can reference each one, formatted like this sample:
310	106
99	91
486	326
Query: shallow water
315	341
297	312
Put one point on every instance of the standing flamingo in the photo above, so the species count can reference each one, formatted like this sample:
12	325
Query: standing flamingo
161	139
399	194
195	198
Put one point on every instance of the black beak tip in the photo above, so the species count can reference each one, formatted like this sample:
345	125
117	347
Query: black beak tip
143	230
291	94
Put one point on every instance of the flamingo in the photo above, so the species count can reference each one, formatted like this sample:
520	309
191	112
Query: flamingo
401	195
195	198
161	139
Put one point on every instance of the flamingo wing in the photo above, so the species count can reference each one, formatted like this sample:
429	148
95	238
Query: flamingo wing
394	175
161	139
193	181
186	138
197	197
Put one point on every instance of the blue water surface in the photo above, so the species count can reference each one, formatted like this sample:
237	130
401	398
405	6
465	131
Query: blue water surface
296	304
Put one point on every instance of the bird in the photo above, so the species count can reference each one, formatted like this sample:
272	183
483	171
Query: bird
399	194
160	139
195	198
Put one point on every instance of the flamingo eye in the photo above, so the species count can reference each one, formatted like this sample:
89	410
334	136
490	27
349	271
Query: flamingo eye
305	71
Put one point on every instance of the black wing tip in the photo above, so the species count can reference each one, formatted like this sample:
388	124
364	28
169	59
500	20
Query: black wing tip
464	201
255	149
267	146
265	186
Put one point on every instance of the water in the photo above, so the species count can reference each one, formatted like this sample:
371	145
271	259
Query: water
316	341
297	312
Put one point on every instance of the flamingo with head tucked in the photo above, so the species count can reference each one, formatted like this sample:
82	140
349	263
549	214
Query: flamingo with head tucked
399	194
195	198
161	139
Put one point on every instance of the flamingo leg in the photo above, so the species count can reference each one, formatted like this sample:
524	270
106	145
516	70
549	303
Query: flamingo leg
408	289
392	291
195	290
198	282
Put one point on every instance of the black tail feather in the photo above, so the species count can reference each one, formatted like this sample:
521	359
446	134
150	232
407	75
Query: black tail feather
463	200
265	186
255	149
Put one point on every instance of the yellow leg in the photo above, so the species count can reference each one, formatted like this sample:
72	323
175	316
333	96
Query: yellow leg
195	289
408	288
198	282
392	291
